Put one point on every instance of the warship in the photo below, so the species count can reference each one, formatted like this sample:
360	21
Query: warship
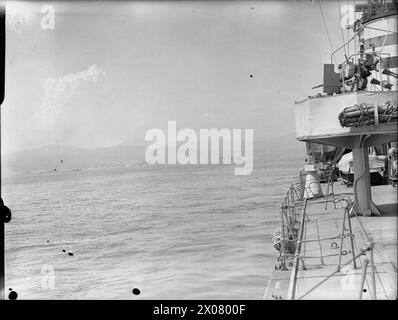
339	240
334	241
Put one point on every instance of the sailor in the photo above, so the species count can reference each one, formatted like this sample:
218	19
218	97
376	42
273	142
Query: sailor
370	62
361	76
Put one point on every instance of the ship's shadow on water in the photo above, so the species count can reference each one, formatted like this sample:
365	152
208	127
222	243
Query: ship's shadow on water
180	234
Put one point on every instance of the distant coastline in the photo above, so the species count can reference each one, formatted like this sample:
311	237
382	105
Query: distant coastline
56	158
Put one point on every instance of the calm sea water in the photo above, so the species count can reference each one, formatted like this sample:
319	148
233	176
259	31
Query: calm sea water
187	232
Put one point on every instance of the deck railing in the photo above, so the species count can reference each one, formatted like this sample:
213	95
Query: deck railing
367	251
354	58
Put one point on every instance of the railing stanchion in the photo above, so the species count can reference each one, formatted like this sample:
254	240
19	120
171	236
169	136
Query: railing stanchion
283	239
293	277
381	73
342	240
363	277
319	241
372	270
351	238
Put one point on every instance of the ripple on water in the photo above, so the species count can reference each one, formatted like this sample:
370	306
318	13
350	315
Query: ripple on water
171	232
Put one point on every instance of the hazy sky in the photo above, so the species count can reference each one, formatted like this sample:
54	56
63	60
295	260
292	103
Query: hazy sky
108	72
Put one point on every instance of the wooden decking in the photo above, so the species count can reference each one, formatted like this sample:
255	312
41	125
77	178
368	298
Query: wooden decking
346	283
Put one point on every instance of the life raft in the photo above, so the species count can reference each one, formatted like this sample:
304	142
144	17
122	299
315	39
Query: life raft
365	114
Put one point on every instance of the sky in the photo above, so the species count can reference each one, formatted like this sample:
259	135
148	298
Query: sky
110	71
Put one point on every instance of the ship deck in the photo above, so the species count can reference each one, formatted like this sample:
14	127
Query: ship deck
328	224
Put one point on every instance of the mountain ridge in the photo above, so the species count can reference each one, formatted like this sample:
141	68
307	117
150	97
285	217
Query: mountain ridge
61	157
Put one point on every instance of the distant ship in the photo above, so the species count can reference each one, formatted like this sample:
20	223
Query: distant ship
338	241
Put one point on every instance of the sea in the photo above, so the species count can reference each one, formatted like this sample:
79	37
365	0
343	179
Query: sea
172	232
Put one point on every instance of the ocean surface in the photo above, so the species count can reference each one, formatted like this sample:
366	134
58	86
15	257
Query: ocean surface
173	232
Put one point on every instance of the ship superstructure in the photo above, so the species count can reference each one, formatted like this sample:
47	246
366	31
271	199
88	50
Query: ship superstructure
335	242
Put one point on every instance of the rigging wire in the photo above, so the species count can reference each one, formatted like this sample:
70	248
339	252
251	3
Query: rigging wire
383	30
319	37
353	30
342	30
320	42
326	27
348	30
